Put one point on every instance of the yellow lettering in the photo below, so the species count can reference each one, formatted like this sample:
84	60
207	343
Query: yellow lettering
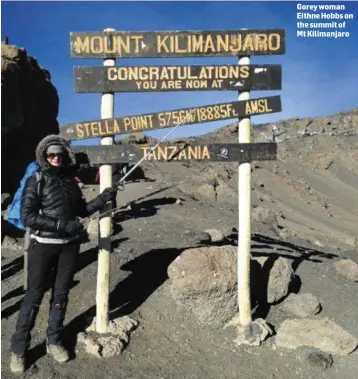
177	48
127	123
244	71
94	131
209	45
221	44
182	154
205	153
162	120
79	130
261	42
274	41
263	106
125	45
109	44
101	127
112	73
248	43
193	152
198	43
174	150
161	44
82	46
162	153
164	74
116	128
137	45
96	48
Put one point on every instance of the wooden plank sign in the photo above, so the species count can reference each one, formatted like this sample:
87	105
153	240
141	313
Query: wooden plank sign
171	118
172	43
235	152
177	78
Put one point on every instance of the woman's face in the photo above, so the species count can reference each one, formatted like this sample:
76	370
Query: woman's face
55	159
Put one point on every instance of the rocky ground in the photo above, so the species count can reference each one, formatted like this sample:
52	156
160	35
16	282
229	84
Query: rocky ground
304	271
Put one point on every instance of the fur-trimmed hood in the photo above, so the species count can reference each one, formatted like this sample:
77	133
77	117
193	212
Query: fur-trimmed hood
53	139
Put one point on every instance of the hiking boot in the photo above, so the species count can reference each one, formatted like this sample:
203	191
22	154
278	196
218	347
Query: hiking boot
58	353
17	364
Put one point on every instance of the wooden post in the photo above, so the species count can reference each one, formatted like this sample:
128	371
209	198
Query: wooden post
244	244
105	222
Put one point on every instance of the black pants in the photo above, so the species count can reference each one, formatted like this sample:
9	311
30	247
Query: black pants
48	265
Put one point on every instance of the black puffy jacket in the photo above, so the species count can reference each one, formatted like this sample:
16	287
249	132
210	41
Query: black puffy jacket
60	197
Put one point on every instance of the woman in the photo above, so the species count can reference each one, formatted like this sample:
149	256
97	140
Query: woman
51	212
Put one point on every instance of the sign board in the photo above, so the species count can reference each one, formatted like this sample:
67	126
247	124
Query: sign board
239	152
177	78
171	118
191	43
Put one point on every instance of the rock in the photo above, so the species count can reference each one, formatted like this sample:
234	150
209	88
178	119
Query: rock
92	228
122	324
264	216
12	243
215	235
314	357
280	277
204	280
253	334
111	346
207	191
301	305
92	347
226	194
322	334
202	238
347	268
113	342
81	337
29	112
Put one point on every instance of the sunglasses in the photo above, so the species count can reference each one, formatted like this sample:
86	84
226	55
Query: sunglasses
53	155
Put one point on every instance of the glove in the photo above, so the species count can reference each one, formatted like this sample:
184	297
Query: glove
108	194
70	228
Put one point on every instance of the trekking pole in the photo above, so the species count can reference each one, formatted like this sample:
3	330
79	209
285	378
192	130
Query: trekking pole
152	149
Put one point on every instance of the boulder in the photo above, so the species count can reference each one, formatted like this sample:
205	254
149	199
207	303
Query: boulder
204	280
29	110
302	305
347	268
278	277
322	334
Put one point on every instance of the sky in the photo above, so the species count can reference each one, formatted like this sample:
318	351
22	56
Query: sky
319	74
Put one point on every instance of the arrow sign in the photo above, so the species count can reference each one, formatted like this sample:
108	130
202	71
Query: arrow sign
167	119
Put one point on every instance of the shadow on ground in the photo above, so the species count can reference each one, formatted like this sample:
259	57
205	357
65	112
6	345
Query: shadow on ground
274	249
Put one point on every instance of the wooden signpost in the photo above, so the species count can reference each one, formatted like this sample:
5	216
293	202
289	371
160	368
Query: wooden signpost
234	152
170	118
179	44
111	44
177	78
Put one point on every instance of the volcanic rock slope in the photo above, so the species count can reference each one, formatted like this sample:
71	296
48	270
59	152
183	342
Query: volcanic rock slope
313	186
304	211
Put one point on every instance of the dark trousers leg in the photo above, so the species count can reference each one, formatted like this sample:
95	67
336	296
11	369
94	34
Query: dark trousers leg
41	258
65	271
